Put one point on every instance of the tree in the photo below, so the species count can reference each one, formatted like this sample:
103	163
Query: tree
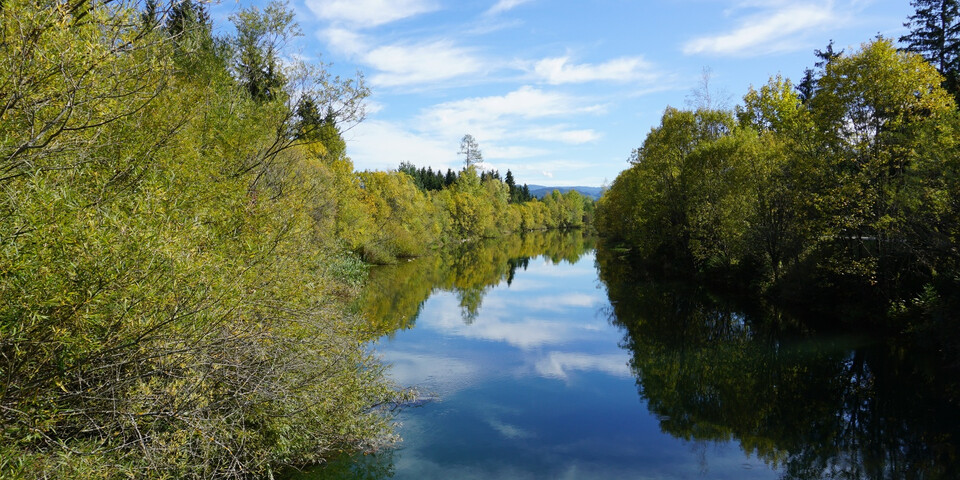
512	187
470	151
184	17
935	34
870	109
261	35
807	87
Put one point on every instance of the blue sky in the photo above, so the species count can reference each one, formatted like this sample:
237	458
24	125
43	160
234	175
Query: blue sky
558	91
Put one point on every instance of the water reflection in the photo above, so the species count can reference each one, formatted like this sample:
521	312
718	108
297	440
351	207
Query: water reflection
526	375
394	294
815	408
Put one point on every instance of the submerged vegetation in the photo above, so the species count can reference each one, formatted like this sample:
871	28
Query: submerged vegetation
182	237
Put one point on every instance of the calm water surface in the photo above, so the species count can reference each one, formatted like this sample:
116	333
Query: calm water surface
534	365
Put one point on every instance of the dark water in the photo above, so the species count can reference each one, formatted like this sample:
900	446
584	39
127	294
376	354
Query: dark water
535	363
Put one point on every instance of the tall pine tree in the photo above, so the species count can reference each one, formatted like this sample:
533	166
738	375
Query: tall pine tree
935	34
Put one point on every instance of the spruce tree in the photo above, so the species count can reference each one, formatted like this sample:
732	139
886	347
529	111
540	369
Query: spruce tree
935	34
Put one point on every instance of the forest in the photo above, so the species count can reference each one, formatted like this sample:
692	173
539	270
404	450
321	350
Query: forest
183	239
837	195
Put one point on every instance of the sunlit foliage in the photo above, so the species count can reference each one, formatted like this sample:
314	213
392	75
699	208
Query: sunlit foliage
845	190
171	303
182	235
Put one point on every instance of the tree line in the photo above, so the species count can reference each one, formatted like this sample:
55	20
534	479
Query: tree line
844	188
400	219
427	180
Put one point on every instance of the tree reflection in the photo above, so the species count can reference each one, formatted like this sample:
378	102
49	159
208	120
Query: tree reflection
394	294
361	466
816	408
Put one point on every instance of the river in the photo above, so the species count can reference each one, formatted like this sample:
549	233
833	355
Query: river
542	357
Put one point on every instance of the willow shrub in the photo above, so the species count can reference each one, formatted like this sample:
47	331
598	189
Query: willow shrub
170	307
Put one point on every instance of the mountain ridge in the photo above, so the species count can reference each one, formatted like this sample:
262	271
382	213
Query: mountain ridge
541	191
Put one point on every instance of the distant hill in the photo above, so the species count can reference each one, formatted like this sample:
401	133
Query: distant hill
541	191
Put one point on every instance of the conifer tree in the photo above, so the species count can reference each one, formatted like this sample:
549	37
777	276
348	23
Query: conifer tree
470	151
935	34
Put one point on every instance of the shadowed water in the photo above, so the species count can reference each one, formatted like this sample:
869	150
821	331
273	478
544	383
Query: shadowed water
535	363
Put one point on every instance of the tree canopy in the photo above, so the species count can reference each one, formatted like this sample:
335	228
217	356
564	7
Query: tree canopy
844	187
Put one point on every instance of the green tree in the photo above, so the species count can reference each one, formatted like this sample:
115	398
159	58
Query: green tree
184	18
780	173
261	36
869	108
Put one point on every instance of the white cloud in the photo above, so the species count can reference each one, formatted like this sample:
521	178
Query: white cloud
345	41
504	5
405	64
372	106
517	125
560	133
563	302
508	116
559	70
513	152
527	102
527	333
496	324
421	63
369	13
379	145
768	32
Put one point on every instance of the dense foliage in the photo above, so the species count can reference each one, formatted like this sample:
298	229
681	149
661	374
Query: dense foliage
407	217
849	194
182	236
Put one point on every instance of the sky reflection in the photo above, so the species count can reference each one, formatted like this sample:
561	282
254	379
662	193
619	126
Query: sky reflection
534	384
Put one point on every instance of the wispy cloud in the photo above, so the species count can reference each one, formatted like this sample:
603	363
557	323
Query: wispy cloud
559	70
509	116
383	145
521	124
405	64
563	134
437	374
421	63
776	29
369	13
345	41
514	152
504	5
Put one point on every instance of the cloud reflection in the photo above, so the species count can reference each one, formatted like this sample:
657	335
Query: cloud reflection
440	374
499	322
561	364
